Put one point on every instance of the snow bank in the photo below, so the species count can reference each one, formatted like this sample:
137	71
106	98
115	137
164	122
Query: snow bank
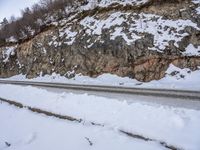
28	131
176	126
183	79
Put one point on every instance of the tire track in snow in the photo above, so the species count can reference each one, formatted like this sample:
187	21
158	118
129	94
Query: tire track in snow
69	118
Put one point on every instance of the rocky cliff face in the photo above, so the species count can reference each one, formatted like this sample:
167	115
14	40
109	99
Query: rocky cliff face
133	38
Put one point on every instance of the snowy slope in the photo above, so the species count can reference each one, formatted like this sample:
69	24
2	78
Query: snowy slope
176	126
105	3
28	131
146	23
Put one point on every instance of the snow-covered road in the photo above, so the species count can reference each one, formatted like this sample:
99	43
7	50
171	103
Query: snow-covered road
175	98
176	126
132	98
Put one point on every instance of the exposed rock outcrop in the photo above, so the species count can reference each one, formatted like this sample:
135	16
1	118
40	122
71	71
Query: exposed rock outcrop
139	43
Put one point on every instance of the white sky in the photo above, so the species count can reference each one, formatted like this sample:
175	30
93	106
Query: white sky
13	7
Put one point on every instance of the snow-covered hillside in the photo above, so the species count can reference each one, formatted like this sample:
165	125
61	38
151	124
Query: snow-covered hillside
140	39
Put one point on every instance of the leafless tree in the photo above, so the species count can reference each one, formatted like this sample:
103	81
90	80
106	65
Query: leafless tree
33	19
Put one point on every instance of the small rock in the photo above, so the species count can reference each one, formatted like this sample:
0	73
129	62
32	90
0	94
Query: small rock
7	144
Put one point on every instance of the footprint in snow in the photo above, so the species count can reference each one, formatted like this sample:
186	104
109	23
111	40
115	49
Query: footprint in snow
30	138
